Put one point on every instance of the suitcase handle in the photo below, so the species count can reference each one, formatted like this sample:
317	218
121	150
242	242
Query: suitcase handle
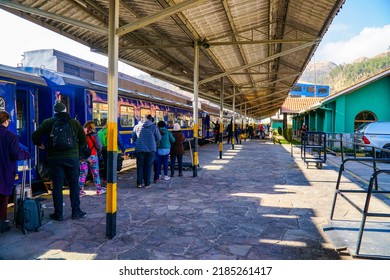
26	165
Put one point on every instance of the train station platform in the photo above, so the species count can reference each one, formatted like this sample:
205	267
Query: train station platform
259	202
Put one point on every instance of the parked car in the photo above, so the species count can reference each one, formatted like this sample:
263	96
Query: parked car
375	134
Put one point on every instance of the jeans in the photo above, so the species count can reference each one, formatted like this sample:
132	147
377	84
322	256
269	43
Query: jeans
103	174
179	163
144	167
65	169
162	160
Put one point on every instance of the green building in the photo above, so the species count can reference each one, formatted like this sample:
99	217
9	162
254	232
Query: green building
343	112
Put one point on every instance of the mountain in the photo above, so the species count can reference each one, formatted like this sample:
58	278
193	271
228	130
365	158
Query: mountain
339	77
315	73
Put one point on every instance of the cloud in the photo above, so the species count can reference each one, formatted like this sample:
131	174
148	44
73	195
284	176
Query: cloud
369	42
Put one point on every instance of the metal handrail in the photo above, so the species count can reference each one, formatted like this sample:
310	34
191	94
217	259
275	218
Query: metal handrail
368	192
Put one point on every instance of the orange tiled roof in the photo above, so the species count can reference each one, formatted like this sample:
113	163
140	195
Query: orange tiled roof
297	104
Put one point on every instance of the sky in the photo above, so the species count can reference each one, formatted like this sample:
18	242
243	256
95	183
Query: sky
361	29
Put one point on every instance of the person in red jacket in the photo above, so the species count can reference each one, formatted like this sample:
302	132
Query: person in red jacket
10	152
92	162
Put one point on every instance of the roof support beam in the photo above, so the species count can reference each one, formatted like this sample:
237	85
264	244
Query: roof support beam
52	16
149	69
271	101
258	42
262	97
151	19
161	46
209	44
259	62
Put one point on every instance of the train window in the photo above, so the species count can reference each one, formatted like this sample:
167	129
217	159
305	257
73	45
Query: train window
99	113
310	89
159	116
322	90
180	119
187	120
145	112
126	116
171	118
2	104
297	88
19	115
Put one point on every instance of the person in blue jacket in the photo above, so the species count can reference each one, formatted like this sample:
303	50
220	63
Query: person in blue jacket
146	136
10	152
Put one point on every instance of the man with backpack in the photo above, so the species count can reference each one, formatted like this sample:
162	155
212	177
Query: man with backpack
63	137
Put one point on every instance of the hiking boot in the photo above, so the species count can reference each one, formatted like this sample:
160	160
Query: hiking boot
56	217
79	215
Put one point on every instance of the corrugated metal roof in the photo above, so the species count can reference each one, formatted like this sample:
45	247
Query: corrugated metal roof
296	104
259	47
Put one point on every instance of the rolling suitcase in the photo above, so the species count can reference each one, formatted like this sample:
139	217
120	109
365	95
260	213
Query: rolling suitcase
29	212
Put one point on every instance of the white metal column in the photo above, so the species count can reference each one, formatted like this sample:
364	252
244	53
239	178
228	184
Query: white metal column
112	125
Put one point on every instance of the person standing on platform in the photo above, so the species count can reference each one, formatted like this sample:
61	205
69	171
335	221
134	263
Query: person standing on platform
64	163
250	131
177	150
229	131
304	128
163	150
103	137
237	133
261	131
95	146
216	131
146	136
10	152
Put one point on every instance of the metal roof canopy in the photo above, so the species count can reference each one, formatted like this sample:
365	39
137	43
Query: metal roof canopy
259	47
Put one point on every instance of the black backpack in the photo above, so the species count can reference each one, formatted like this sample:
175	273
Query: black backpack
62	136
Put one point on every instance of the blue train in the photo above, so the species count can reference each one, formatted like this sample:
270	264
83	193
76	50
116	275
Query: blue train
310	90
29	94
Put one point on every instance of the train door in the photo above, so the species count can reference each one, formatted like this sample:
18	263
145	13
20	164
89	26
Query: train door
82	105
24	113
78	103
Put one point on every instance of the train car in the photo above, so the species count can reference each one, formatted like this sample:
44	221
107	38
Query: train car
18	93
310	90
29	94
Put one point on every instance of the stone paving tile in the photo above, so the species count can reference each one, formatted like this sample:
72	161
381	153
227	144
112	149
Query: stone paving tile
257	202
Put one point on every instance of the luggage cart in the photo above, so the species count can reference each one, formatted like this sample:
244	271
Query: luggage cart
313	148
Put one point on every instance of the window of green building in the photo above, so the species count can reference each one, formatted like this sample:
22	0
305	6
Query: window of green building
364	117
